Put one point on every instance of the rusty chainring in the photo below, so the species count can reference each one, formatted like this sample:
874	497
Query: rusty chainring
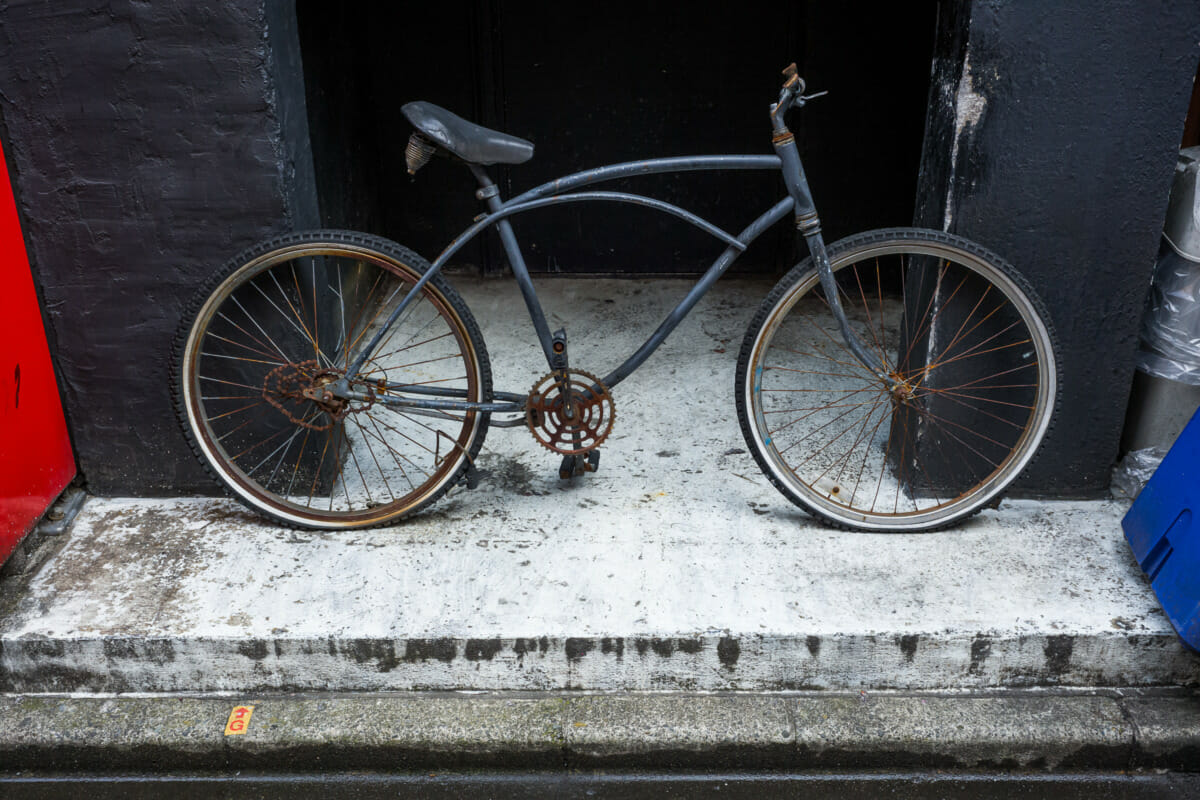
573	421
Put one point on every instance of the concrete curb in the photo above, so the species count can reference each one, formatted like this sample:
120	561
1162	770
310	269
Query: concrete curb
1037	731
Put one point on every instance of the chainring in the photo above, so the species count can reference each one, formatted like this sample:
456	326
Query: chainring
570	412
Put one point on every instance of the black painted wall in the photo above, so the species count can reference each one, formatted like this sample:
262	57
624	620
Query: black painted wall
602	83
1052	135
146	146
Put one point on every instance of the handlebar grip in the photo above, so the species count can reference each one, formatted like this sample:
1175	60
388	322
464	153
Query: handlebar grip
793	79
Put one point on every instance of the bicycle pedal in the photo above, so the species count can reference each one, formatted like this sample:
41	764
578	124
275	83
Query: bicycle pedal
472	476
592	461
571	466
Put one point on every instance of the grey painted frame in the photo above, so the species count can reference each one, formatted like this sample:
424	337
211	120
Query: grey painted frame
560	191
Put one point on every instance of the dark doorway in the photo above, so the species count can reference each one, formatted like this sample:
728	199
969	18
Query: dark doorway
590	85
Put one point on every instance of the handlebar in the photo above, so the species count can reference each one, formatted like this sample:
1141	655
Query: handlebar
794	82
791	95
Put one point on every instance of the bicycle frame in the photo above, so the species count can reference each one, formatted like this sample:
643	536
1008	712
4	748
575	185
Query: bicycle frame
560	191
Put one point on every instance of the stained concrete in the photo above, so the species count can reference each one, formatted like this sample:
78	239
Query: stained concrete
675	567
1021	729
1012	731
1025	730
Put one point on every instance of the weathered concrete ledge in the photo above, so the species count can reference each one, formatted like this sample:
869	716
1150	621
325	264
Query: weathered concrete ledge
196	596
1037	731
698	663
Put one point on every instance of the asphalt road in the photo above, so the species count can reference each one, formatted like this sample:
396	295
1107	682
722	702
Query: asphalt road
630	786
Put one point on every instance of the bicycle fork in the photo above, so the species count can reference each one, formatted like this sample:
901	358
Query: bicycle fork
808	225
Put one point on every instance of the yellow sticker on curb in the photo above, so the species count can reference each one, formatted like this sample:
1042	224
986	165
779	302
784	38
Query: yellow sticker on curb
239	720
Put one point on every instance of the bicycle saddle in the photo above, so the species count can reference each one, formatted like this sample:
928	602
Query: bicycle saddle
472	143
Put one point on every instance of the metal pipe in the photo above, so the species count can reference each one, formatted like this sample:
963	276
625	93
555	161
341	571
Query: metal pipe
752	232
439	405
619	197
647	167
439	391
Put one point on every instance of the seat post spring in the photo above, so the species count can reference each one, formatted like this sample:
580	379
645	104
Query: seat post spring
418	152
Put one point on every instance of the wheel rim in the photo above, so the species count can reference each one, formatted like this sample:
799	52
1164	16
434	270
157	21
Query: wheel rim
974	382
286	324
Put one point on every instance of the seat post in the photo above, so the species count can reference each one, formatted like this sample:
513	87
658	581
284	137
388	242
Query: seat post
488	191
490	194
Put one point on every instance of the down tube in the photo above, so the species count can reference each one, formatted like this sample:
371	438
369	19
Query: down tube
752	232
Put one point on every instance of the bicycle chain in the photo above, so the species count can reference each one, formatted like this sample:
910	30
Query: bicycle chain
302	383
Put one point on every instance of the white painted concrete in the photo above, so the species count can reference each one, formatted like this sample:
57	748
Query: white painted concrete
677	541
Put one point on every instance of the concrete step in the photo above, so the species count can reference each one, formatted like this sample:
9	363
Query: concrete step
195	595
675	567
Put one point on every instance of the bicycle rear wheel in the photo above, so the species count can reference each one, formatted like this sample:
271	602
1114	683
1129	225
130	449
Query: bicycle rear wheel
971	354
280	323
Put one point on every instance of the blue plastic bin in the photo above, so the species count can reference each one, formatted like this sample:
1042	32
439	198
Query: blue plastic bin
1163	529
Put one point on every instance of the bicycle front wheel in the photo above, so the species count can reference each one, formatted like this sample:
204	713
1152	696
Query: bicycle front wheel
286	319
970	390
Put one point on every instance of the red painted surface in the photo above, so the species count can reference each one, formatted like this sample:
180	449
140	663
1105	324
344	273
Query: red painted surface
36	462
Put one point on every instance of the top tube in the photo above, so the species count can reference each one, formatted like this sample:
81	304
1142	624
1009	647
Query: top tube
646	167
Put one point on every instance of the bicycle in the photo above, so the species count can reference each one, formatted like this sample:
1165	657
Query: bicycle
899	380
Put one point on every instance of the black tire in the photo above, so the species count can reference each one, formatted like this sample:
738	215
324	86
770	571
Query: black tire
973	360
265	334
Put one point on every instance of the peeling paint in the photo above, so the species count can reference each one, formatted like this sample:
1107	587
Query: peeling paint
969	107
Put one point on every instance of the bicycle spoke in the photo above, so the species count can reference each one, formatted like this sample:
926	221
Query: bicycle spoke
878	340
255	350
822	408
240	358
358	469
299	328
392	451
862	467
288	443
901	461
402	349
818	430
235	411
243	330
378	468
820	355
939	392
850	450
973	352
818	408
